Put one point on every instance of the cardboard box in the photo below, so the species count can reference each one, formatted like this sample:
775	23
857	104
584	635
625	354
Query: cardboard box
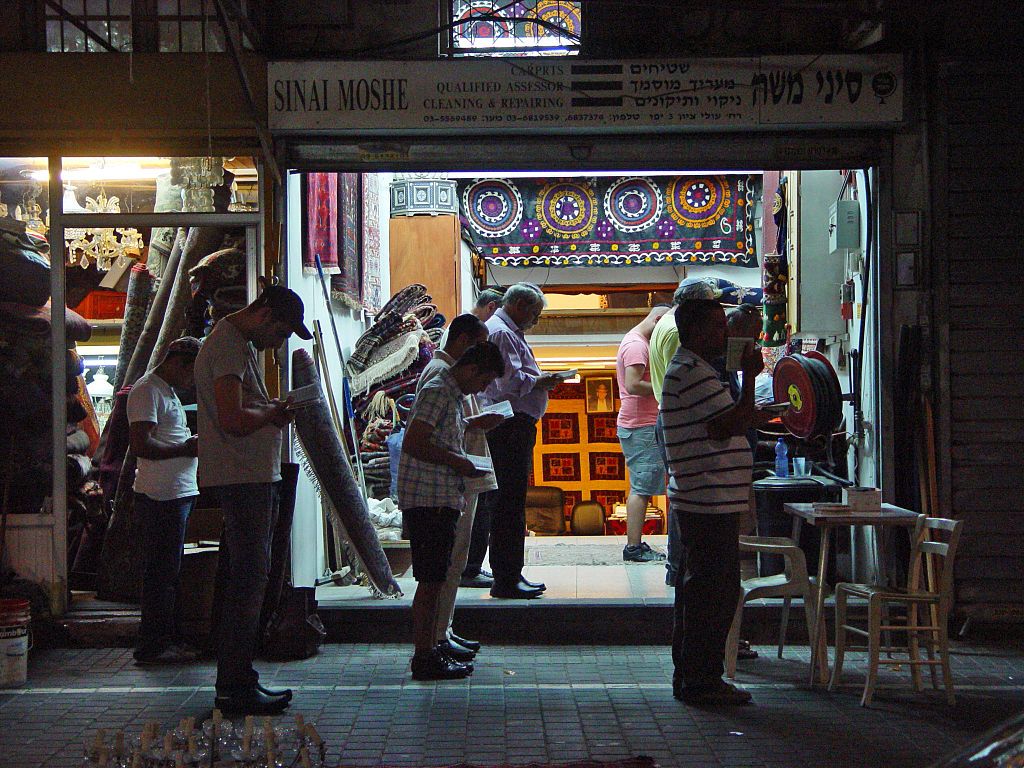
863	499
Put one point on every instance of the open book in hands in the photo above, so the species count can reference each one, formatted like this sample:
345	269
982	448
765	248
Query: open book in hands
501	408
482	463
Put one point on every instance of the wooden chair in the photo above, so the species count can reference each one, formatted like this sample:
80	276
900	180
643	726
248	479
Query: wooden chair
792	582
927	610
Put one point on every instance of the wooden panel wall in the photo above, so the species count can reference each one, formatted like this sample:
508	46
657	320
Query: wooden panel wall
425	249
980	231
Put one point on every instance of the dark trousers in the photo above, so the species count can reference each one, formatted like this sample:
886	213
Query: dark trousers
673	564
250	516
706	595
479	536
162	530
511	446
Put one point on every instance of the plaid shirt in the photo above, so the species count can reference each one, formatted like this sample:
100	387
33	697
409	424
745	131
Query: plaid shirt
426	484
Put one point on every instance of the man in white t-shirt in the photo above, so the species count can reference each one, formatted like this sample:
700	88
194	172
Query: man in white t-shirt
165	492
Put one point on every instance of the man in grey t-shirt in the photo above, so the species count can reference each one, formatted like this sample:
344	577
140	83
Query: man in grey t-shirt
240	462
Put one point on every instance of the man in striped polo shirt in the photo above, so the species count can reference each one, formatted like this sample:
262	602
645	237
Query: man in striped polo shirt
710	469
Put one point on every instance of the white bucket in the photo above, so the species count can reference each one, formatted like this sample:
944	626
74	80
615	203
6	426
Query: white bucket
14	623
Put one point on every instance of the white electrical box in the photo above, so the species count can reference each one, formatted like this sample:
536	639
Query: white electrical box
815	276
844	226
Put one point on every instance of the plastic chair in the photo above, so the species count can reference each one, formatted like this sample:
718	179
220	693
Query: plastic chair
792	582
587	519
935	596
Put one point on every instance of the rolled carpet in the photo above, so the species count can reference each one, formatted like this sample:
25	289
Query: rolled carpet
140	296
327	463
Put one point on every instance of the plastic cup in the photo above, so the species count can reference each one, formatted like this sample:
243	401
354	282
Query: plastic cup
800	468
734	348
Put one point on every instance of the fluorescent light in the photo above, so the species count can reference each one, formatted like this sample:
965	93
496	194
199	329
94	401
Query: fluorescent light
106	173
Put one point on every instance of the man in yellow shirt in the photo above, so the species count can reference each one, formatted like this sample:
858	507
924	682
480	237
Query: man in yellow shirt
664	343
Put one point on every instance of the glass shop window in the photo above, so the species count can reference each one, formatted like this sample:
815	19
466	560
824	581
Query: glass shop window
188	25
89	26
159	184
523	28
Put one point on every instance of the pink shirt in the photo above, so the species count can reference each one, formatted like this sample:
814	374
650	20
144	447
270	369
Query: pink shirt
634	410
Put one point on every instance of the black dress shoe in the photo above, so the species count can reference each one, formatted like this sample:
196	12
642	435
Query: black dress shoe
473	645
456	652
282	693
479	581
538	585
515	592
250	701
436	666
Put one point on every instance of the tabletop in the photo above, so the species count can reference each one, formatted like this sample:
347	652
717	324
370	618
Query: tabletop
889	514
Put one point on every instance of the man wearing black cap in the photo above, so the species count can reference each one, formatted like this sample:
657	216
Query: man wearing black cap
240	462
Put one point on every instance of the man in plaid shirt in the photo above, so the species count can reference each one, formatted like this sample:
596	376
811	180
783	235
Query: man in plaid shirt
431	493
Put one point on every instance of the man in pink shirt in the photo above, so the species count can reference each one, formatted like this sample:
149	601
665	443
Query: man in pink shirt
638	414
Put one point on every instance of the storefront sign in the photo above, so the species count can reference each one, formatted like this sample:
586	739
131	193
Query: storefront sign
545	94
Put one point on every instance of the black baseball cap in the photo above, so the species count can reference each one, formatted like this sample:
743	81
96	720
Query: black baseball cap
286	306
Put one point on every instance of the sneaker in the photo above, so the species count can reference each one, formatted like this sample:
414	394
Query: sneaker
718	694
436	666
641	553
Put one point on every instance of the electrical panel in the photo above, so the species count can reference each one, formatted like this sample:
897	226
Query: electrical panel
844	226
816	277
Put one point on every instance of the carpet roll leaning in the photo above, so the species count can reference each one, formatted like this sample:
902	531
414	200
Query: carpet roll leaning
327	460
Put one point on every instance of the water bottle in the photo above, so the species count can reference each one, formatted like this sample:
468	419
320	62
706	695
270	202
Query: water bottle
781	458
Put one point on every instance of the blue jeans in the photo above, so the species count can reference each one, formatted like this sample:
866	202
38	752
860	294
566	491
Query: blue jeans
250	514
162	530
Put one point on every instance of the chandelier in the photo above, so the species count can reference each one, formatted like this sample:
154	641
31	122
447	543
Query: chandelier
197	176
102	247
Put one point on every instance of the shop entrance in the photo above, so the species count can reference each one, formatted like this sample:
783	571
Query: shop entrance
600	277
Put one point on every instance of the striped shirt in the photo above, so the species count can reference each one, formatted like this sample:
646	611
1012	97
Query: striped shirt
707	476
440	404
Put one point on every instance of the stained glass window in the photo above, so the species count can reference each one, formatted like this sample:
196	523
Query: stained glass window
518	28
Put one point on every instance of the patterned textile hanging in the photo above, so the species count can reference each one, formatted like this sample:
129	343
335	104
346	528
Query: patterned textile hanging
775	276
630	221
321	223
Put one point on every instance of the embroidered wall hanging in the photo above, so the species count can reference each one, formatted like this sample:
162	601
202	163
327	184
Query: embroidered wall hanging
607	466
346	285
321	221
569	500
608	499
560	428
602	428
372	293
630	221
561	467
566	392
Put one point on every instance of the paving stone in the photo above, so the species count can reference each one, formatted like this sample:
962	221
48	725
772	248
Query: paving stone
564	703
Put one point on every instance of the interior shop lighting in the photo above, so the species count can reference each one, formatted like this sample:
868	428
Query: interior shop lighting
142	169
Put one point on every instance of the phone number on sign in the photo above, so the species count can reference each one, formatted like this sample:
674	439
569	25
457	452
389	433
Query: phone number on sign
450	118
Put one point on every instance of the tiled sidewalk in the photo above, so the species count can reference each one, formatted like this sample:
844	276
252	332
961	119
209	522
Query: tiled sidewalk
523	704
